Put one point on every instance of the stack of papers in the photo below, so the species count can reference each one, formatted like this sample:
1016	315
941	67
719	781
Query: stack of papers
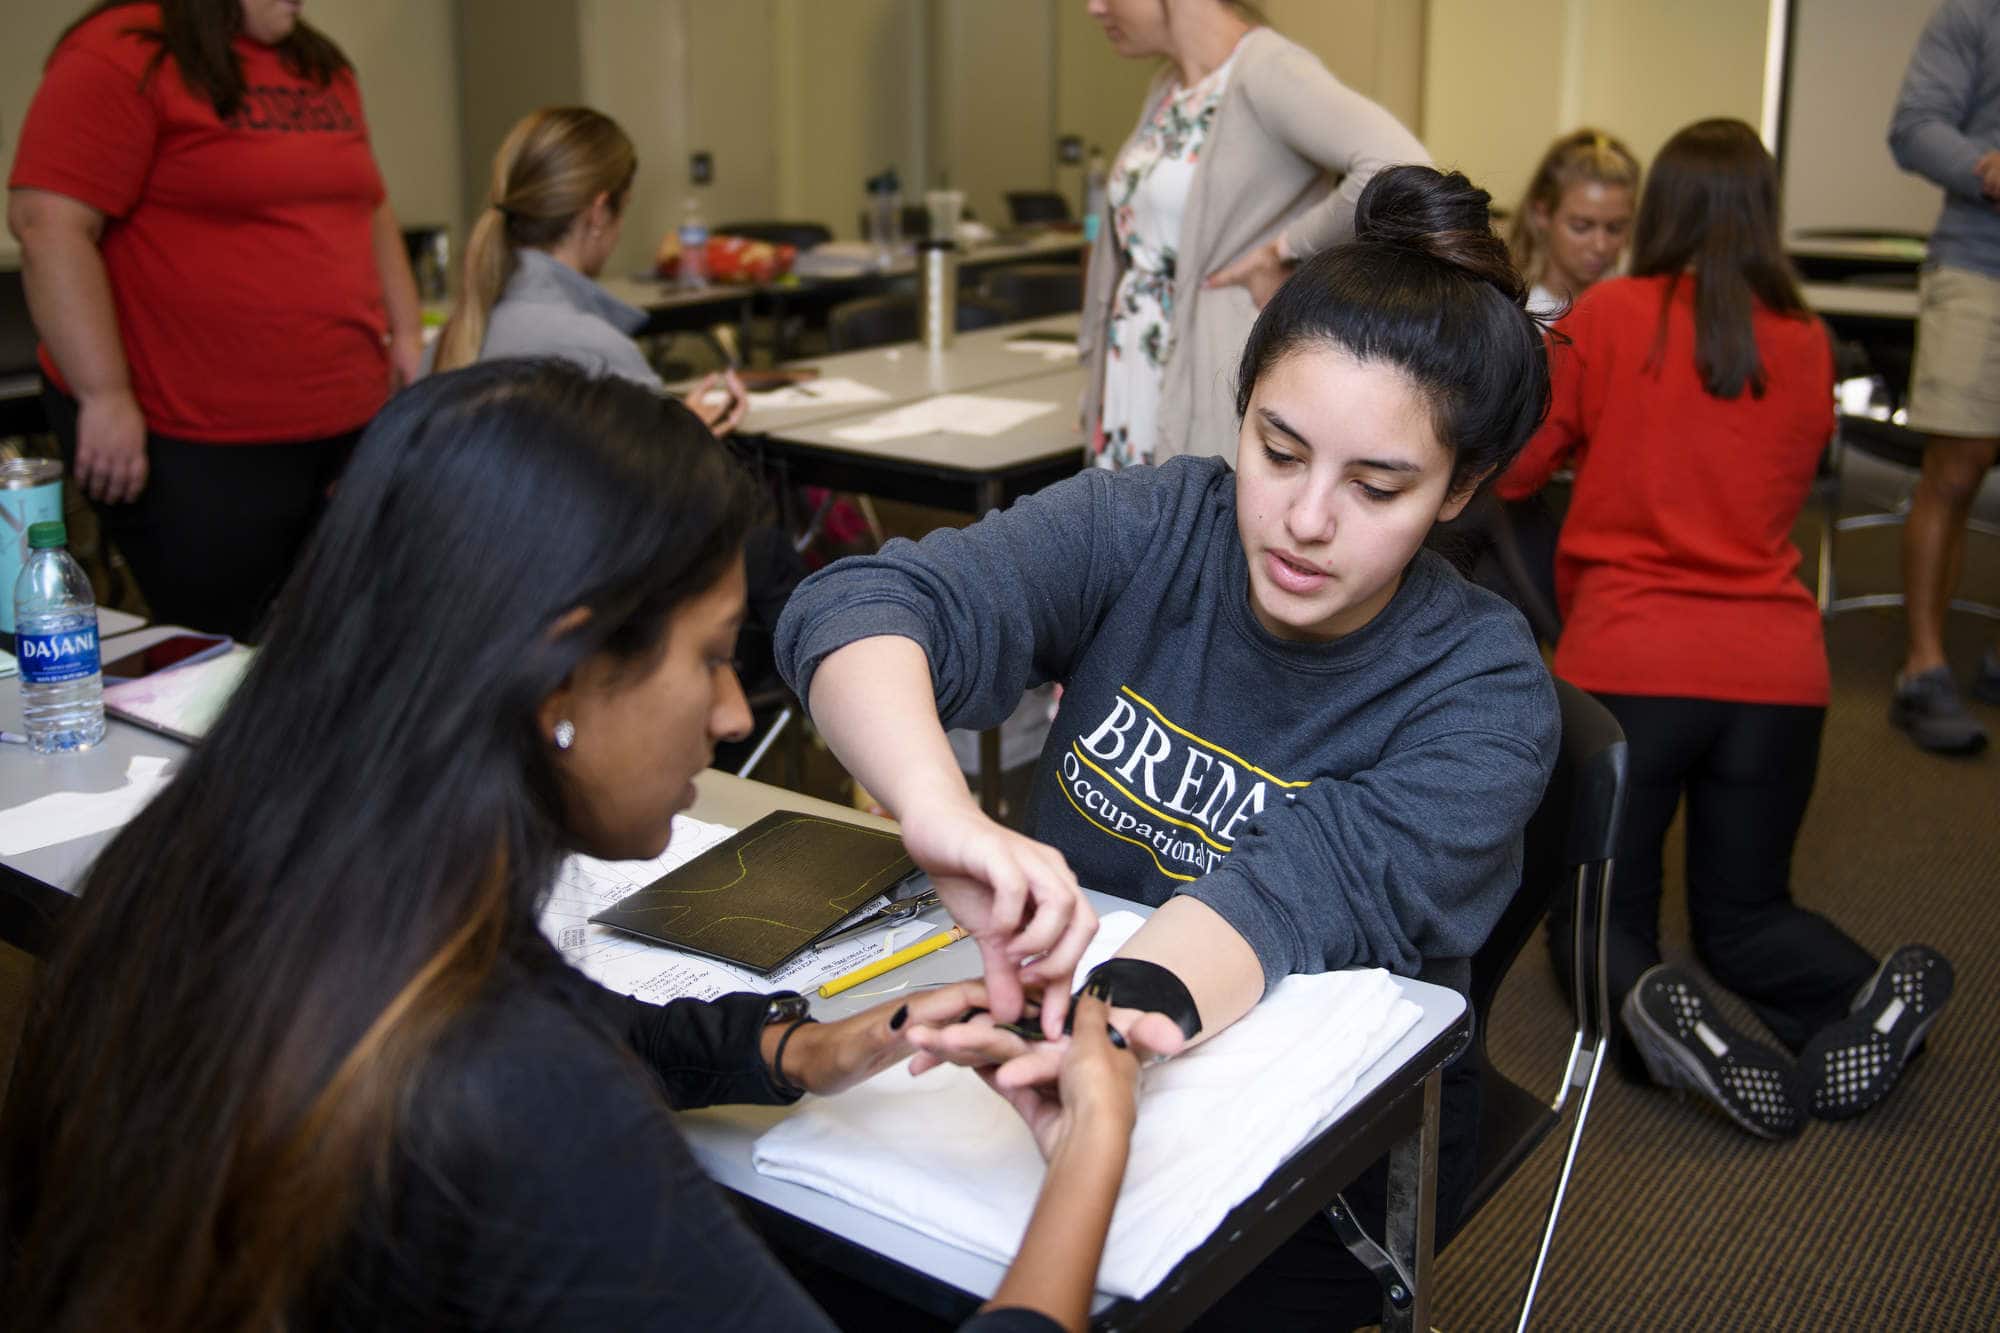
834	391
66	815
946	414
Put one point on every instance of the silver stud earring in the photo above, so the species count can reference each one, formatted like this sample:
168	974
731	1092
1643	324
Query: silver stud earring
565	735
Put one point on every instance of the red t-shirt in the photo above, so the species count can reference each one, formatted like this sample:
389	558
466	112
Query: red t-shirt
241	255
1675	573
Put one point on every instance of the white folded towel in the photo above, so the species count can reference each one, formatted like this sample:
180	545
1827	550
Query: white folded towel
942	1154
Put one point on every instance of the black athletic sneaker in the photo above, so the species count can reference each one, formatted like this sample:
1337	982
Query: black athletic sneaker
1927	706
1851	1064
1686	1044
1986	685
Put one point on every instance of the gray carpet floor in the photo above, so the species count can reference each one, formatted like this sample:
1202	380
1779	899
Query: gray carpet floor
1675	1219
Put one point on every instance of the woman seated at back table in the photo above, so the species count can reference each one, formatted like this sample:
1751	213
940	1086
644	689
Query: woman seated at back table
557	208
302	1058
1304	738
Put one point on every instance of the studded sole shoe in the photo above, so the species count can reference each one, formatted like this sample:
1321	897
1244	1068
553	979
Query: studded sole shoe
1851	1064
1686	1044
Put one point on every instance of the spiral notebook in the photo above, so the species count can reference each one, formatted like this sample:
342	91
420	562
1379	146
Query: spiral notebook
765	894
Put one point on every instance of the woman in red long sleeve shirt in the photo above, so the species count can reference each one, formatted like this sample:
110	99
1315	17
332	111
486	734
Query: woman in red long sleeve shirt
1694	399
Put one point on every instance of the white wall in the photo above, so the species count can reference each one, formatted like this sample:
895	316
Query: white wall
1502	80
1848	58
403	51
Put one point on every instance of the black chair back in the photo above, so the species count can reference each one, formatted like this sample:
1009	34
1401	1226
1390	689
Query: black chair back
1028	206
1576	825
804	235
876	321
17	331
1035	290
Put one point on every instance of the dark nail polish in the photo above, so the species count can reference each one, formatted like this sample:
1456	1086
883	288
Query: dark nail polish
897	1019
1117	1037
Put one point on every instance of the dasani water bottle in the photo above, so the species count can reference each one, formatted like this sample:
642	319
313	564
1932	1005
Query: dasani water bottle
55	640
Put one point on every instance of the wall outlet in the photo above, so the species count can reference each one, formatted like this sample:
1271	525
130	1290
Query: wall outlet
701	168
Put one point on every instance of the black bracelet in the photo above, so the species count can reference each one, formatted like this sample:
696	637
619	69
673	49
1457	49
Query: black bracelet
778	1080
1133	983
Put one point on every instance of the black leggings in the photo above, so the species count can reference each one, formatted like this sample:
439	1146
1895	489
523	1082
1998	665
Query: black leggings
219	526
1747	772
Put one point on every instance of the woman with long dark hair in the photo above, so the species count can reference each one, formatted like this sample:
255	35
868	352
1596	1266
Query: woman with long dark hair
219	283
302	1057
1694	399
1302	736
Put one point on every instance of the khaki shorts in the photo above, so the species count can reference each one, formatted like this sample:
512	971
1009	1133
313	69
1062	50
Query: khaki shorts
1955	384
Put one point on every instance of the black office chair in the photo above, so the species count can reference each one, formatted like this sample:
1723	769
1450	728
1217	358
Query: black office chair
875	321
1569	847
1889	443
803	235
1035	290
1509	548
1025	207
20	387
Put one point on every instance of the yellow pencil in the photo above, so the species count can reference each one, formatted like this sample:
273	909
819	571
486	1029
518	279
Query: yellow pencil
875	969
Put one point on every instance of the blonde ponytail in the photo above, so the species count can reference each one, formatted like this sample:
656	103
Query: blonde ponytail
489	262
550	167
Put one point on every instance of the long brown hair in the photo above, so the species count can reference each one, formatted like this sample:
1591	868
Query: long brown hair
217	1080
197	35
550	167
1582	157
1711	206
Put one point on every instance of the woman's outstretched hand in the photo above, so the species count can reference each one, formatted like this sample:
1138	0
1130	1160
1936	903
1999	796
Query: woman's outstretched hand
832	1057
1016	897
1097	1084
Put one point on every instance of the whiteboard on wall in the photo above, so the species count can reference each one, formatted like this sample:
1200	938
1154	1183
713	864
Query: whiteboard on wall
1844	65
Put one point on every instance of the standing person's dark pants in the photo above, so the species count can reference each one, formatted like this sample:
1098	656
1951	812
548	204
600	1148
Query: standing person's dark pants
1747	771
219	526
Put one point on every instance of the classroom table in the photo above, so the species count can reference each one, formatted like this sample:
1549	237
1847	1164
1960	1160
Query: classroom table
802	446
1392	1109
669	308
1861	301
946	470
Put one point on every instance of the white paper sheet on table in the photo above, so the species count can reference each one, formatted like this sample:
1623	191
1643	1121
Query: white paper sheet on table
633	966
950	414
65	815
943	1155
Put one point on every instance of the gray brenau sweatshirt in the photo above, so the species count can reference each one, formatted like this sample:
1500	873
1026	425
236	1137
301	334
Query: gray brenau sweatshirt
1343	803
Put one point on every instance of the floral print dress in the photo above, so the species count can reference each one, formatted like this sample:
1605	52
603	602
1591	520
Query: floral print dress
1148	193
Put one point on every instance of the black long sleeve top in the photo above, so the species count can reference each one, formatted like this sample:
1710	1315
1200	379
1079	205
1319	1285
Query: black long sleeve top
539	1181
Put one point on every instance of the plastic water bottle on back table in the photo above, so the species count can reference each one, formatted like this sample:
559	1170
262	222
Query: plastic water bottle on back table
55	641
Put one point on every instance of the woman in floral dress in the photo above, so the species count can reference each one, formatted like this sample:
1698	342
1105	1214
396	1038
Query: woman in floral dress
1229	179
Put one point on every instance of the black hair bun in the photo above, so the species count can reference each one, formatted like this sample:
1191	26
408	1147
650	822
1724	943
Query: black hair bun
1441	215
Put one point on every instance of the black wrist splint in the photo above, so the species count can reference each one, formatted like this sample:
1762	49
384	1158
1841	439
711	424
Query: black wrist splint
1133	983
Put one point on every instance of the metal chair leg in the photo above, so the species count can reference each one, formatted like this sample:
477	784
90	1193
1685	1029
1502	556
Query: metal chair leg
1590	983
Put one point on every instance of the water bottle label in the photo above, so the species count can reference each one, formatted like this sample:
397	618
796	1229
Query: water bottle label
52	659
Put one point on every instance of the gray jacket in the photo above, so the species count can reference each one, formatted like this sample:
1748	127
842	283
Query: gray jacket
1947	118
550	309
1352	802
1286	129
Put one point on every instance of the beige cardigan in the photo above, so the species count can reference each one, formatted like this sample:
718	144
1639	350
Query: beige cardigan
1285	131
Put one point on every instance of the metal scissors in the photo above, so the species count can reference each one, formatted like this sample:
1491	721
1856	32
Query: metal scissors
893	913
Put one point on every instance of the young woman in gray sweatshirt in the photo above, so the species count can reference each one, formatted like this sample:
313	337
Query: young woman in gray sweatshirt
1302	737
